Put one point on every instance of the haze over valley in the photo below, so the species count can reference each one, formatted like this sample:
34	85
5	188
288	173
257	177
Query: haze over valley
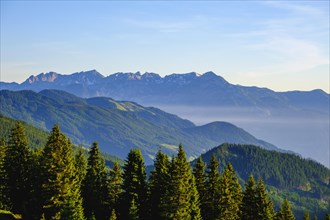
297	121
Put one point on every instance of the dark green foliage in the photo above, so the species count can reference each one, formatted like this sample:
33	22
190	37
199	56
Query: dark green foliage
37	138
306	216
17	167
134	187
182	196
195	212
264	207
200	181
54	178
35	201
115	188
230	195
158	182
113	215
327	217
212	193
248	206
285	212
4	200
60	187
95	186
133	211
81	166
7	215
304	182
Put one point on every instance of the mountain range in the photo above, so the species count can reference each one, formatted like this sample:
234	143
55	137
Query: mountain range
119	125
295	120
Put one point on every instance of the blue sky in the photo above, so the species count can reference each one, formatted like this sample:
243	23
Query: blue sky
280	45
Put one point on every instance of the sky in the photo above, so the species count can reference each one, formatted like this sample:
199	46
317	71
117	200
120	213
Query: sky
282	45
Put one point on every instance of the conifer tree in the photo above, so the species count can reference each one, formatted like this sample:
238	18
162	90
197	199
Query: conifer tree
60	187
285	212
200	180
195	213
113	215
16	166
35	200
306	216
230	195
115	187
159	180
248	209
264	206
94	186
134	186
81	166
4	200
133	211
212	192
182	196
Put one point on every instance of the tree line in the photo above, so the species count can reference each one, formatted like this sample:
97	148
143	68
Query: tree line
52	183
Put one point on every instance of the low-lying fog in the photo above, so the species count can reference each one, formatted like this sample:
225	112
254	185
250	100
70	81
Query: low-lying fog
305	135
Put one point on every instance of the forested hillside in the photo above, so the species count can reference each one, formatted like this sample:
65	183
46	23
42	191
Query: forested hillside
119	125
304	182
37	139
52	183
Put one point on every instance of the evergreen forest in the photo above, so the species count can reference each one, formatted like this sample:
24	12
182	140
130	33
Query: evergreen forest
56	182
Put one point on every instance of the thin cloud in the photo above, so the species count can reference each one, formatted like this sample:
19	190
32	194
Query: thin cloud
167	26
295	7
290	39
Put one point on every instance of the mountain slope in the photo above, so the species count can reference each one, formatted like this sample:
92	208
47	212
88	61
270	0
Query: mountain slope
117	126
295	120
229	134
304	182
37	139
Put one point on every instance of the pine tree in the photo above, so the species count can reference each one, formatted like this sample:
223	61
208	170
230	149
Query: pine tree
4	200
16	166
195	212
60	186
95	186
133	211
81	166
115	187
306	216
35	200
134	186
113	215
159	180
230	195
200	180
249	201
285	213
182	197
264	206
212	192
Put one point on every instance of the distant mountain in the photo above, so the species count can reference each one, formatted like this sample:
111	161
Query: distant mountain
296	120
119	125
185	89
304	182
